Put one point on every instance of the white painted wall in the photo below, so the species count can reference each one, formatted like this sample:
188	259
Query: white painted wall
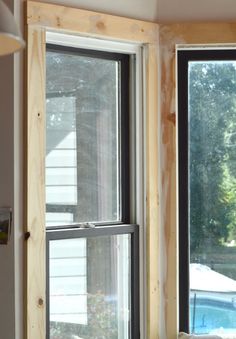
196	10
11	255
7	191
11	121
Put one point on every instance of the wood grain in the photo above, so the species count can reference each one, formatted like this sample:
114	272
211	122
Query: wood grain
35	214
172	36
152	193
92	23
40	17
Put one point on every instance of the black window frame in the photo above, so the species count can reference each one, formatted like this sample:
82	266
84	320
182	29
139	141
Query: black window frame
184	56
125	225
124	123
131	229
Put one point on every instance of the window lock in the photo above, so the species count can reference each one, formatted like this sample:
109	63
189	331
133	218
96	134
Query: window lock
87	225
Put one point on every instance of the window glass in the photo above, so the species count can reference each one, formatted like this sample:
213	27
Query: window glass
82	138
92	250
89	284
212	195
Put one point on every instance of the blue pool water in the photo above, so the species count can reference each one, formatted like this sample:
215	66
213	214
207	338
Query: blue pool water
208	315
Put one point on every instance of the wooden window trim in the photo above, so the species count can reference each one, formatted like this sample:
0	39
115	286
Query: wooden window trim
40	17
184	58
172	37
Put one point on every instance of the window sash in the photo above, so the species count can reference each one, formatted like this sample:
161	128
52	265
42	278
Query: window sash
86	233
71	231
183	59
123	123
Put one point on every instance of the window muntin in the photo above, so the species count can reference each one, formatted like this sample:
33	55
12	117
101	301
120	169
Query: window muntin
207	118
87	166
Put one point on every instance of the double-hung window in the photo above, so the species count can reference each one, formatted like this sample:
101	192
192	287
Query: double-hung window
92	240
91	175
207	190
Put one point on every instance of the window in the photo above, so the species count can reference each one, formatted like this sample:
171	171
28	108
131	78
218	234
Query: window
87	136
207	195
93	287
92	248
126	194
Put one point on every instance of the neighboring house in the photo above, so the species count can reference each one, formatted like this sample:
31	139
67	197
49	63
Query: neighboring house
12	172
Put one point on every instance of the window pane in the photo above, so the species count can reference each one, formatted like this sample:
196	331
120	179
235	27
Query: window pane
212	196
89	283
82	138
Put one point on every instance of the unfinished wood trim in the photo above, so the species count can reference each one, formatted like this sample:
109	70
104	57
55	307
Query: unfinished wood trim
40	17
171	36
168	188
92	23
35	283
198	33
152	194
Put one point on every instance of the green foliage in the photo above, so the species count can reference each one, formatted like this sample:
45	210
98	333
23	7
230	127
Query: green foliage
212	106
102	322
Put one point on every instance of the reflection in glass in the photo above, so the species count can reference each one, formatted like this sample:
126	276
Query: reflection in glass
212	196
89	283
82	139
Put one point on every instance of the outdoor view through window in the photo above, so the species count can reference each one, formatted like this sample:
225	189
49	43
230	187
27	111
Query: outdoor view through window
82	140
88	266
212	195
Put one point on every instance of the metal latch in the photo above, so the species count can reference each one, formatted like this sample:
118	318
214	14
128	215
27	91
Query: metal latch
87	225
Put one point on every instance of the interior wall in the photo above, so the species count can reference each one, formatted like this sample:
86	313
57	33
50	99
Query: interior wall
195	10
6	195
11	193
7	191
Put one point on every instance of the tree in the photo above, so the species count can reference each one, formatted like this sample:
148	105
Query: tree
212	114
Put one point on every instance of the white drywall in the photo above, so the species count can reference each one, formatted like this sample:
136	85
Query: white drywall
7	294
196	10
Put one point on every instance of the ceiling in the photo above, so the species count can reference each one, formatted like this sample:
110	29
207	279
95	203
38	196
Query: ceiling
161	10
